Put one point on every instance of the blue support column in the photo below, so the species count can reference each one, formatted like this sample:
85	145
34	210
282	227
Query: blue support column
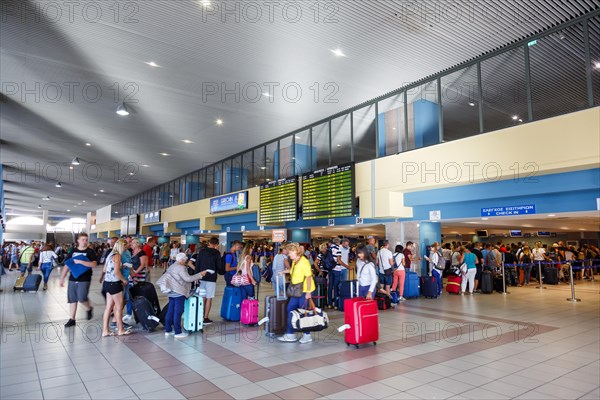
427	123
298	235
429	232
231	236
163	239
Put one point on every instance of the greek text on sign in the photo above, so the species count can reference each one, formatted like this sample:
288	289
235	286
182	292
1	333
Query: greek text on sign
508	210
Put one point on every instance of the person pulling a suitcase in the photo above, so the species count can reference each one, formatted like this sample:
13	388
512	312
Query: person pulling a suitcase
299	292
367	275
178	282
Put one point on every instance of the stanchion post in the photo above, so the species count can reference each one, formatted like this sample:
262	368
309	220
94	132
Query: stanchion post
540	286
592	268
503	279
573	298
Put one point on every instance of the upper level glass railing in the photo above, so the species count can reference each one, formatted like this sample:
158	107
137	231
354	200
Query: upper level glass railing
549	74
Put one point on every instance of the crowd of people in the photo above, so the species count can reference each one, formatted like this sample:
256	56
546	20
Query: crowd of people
374	265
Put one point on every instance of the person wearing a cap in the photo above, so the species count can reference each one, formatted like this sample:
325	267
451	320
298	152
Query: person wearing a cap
179	283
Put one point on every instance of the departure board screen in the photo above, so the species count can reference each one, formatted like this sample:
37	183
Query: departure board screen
279	201
328	193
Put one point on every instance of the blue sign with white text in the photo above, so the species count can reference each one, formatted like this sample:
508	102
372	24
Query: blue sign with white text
231	202
508	210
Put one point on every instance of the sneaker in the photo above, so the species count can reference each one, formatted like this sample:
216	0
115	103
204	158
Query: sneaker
70	323
112	325
169	333
45	287
181	335
90	313
401	299
207	321
128	319
306	339
288	337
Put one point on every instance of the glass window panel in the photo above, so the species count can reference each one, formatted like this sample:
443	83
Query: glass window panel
594	34
558	83
320	144
364	133
391	124
460	104
218	179
341	145
236	174
210	179
259	167
504	90
202	184
423	116
176	192
247	170
303	153
271	162
285	158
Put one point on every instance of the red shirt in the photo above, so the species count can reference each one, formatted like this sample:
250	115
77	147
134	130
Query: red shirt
148	252
407	254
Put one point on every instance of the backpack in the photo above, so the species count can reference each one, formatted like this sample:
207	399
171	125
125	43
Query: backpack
256	275
330	261
526	259
221	270
440	265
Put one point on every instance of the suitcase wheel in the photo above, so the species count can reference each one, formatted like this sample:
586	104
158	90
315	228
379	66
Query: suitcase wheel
347	344
357	346
374	343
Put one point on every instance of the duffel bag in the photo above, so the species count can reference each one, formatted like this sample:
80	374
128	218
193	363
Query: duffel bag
309	320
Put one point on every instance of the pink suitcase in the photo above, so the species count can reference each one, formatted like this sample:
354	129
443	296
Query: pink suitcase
249	312
362	316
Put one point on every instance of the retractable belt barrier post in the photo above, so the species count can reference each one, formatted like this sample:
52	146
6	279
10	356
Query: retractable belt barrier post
573	298
540	286
504	279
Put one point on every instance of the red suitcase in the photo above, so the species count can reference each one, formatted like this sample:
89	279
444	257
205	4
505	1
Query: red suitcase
249	312
453	285
363	318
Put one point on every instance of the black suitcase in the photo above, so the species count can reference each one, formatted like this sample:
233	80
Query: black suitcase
429	287
144	313
487	282
276	313
498	282
319	295
551	276
383	301
147	290
347	290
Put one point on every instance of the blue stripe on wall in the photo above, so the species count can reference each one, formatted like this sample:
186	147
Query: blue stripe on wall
194	224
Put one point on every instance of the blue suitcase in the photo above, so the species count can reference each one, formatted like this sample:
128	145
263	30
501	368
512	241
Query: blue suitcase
232	303
347	290
412	285
32	283
429	287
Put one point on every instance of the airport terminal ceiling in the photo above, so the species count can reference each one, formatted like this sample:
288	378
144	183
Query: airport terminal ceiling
202	83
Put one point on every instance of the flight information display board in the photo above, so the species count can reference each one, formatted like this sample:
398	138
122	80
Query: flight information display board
279	201
329	193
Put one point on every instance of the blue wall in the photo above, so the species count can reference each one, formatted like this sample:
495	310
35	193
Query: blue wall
427	123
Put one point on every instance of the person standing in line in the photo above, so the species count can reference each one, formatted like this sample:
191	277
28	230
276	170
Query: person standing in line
207	262
47	256
301	274
344	260
179	282
78	288
173	253
164	255
471	260
436	261
281	263
477	250
231	261
372	247
334	276
385	260
539	256
399	273
526	259
113	285
367	273
148	249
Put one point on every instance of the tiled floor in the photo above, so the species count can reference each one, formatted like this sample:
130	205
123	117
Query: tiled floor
529	344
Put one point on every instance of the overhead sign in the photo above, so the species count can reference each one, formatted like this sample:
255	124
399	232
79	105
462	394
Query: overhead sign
231	202
279	235
435	215
152	217
165	226
359	221
331	222
182	239
508	210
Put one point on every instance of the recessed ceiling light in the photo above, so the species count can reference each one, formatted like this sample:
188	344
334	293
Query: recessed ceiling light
597	65
46	198
145	166
339	145
71	167
520	120
39	206
263	167
78	204
132	173
95	195
122	110
187	141
88	144
58	184
83	201
472	104
164	154
298	137
338	53
75	161
153	64
515	117
116	212
68	210
101	190
219	122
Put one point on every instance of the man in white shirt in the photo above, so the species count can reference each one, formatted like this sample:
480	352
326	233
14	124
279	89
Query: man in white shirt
344	259
385	260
